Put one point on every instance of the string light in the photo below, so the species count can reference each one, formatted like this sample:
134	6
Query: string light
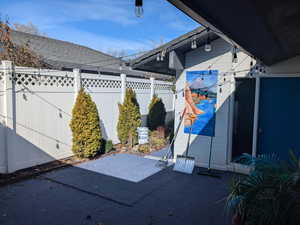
60	113
234	55
24	97
158	57
194	43
161	55
207	46
251	63
139	11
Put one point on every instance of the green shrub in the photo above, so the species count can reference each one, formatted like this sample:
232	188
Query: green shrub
85	127
156	140
144	148
269	194
129	119
157	113
109	146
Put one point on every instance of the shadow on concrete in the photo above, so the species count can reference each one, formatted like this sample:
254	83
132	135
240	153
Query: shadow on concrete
76	196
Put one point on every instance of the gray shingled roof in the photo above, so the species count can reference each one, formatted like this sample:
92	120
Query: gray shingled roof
65	55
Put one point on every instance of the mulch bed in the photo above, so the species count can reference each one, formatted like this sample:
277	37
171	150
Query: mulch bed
34	171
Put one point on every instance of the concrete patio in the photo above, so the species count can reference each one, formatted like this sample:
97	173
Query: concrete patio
84	195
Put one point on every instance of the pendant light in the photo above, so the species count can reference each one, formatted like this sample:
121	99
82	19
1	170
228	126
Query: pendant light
158	57
207	46
163	54
194	43
139	11
251	63
234	55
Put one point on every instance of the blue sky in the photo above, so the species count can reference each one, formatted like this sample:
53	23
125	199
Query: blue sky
104	25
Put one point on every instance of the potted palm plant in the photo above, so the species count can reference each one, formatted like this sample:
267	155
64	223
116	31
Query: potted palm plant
269	195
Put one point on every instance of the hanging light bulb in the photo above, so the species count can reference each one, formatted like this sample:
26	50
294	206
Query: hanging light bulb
163	54
234	58
207	46
158	57
194	43
139	11
234	55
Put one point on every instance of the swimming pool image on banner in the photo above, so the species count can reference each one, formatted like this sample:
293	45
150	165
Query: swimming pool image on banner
200	95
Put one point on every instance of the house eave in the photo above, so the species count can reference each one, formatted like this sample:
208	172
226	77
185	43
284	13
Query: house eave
267	30
181	45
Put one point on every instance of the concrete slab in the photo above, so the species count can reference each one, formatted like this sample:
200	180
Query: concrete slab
124	166
160	153
111	188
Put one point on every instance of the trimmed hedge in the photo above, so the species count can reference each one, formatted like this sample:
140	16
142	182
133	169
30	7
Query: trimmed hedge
85	126
157	113
129	119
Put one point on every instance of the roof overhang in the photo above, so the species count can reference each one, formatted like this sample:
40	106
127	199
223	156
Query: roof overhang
175	52
268	30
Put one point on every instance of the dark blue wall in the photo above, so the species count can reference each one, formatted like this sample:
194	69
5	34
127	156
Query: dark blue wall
279	116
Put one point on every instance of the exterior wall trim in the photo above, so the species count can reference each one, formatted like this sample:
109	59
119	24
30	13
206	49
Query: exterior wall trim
256	116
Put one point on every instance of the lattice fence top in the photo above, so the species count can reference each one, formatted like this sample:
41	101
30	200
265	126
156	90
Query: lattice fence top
34	79
26	79
167	87
100	83
138	85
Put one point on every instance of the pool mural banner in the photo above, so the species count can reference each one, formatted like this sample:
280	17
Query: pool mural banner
200	102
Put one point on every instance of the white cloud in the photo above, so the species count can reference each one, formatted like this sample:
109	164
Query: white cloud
118	11
55	18
70	20
179	23
58	12
100	42
197	83
181	26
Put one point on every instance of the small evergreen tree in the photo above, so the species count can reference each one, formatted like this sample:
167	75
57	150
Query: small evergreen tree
129	119
157	113
85	126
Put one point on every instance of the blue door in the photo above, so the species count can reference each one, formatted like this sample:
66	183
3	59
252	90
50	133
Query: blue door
279	116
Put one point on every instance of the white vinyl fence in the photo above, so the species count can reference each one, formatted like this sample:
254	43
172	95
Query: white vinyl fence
36	107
